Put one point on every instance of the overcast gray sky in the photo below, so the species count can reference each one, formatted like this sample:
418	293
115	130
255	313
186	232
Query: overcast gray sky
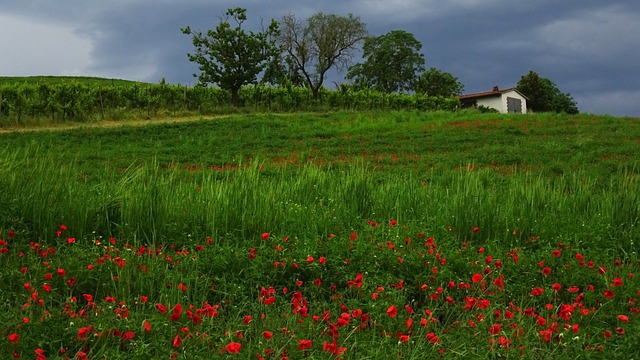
589	48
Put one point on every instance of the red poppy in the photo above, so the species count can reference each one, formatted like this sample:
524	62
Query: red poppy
617	282
270	300
233	347
161	308
433	338
624	318
392	311
476	229
177	341
147	326
265	236
13	338
495	329
541	321
537	291
304	344
267	335
476	278
608	294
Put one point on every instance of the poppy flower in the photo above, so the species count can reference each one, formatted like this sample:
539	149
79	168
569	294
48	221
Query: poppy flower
161	308
476	278
432	338
265	236
147	326
233	347
624	318
495	329
304	344
177	341
270	300
392	311
537	291
267	335
13	338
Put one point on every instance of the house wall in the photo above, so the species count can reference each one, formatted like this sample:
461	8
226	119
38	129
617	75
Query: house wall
494	102
500	102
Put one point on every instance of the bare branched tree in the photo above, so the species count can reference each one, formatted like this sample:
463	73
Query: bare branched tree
322	42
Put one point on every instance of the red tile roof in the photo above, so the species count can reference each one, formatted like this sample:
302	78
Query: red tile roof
494	92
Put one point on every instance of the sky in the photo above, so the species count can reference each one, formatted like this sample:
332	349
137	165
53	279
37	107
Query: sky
588	48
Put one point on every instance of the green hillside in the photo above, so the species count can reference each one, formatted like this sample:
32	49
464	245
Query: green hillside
88	80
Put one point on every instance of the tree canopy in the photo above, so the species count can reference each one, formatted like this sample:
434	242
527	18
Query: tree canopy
392	62
434	82
543	95
230	56
320	43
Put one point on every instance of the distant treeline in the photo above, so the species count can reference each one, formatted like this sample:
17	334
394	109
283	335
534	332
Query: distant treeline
86	102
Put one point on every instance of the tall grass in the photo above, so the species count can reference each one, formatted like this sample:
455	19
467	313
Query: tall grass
154	204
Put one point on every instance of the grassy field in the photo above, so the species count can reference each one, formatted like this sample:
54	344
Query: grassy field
353	234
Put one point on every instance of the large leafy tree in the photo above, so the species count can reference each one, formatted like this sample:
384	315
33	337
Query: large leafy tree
230	56
434	82
321	42
392	62
543	95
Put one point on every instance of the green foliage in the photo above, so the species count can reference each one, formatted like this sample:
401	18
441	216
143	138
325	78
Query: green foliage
322	42
392	63
434	82
31	104
230	56
543	95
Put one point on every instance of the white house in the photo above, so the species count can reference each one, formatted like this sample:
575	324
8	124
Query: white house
505	101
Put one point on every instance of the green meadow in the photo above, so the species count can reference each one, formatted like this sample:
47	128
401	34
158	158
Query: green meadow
356	235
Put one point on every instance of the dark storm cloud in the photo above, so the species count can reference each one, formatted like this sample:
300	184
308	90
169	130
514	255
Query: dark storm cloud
587	47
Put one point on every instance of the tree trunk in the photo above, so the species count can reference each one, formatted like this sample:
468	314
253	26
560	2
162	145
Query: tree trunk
234	97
